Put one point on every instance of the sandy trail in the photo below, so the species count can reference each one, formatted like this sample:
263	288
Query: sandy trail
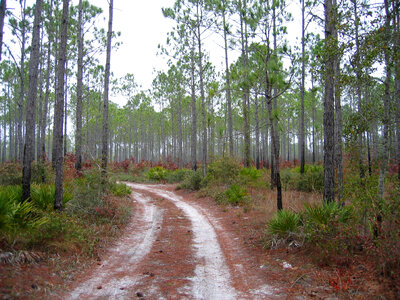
173	249
111	279
212	277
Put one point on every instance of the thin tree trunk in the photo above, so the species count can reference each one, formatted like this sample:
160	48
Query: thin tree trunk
104	157
245	103
19	147
257	132
47	93
59	108
31	105
202	96
3	8
359	98
338	119
79	85
303	75
66	110
228	83
386	106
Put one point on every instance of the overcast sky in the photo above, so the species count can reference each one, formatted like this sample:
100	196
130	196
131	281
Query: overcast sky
143	27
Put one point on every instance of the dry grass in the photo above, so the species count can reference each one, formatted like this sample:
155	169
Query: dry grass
265	200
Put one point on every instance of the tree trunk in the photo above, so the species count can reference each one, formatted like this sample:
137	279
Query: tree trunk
303	75
202	96
79	84
358	78
31	105
329	100
179	119
47	93
194	114
59	108
19	145
3	8
66	110
386	107
257	153
245	103
338	118
228	84
104	156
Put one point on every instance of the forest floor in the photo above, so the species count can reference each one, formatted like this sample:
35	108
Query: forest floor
179	246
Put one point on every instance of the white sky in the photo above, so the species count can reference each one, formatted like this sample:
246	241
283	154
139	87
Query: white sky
143	27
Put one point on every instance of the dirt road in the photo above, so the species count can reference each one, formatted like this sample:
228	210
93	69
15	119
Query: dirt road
174	249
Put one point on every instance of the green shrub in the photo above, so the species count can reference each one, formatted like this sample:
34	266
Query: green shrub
284	223
289	178
120	189
157	173
252	177
41	173
193	181
312	180
223	171
321	221
11	173
177	175
88	193
236	195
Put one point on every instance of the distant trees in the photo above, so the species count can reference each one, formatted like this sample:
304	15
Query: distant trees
271	101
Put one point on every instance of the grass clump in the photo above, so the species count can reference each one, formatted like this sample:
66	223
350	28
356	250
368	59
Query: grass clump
120	189
284	223
236	195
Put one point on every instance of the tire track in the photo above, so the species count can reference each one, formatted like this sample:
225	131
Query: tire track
112	279
212	278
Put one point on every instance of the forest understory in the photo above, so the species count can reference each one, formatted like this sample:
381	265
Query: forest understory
51	264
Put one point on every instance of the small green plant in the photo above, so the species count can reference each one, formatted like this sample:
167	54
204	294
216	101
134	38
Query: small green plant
284	223
120	189
157	173
223	171
11	173
236	194
177	175
193	181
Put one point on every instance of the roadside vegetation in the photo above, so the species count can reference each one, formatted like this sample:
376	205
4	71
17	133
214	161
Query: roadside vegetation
32	231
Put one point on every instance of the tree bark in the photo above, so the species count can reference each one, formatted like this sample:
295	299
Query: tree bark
31	105
386	107
104	156
19	144
338	116
59	108
202	96
3	8
79	84
329	100
194	114
303	75
228	83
